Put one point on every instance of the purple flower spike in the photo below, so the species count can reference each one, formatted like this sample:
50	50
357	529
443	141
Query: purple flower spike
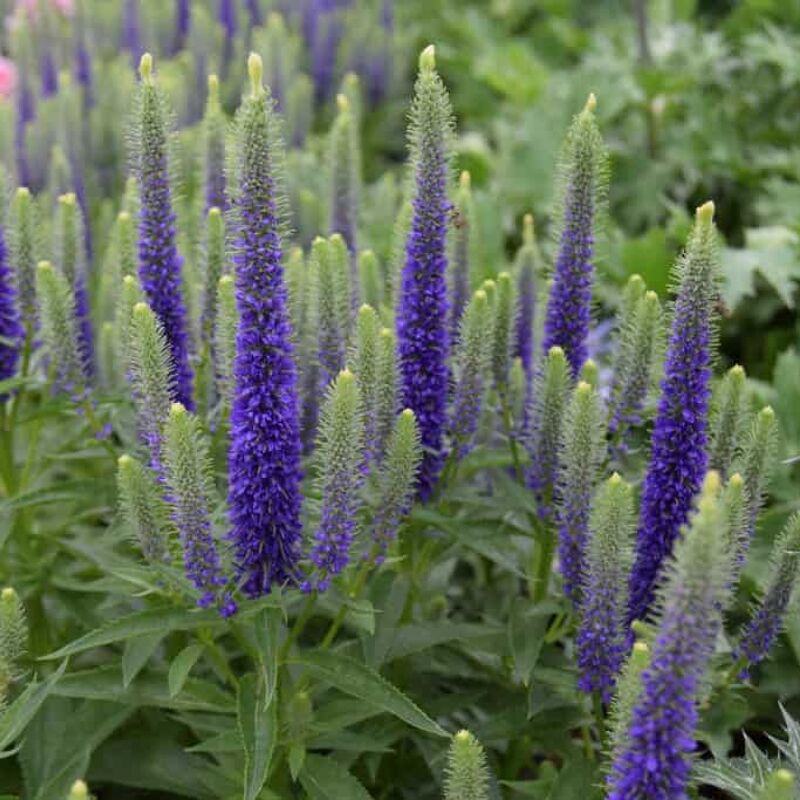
264	459
678	448
12	333
159	262
582	173
422	312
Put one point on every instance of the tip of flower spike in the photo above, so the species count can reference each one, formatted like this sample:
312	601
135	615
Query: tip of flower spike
465	181
480	296
79	791
140	308
639	628
489	285
766	413
366	308
146	67
407	413
783	777
124	460
555	351
44	266
225	280
337	239
710	490
123	216
737	371
427	59
736	479
641	647
591	103
504	277
705	213
342	103
463	736
67	199
129	280
528	229
23	191
177	409
345	375
8	594
583	387
650	296
255	69
214	212
213	87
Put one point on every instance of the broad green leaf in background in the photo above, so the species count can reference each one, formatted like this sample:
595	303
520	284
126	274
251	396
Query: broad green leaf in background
136	653
325	779
181	666
358	680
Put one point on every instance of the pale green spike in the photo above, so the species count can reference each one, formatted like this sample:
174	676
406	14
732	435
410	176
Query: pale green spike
297	289
68	243
150	374
143	507
397	260
214	269
60	174
633	292
225	337
59	327
129	295
628	688
467	773
107	356
130	198
735	505
502	328
370	278
351	90
13	638
342	282
388	383
780	785
299	109
79	791
757	460
365	366
728	418
590	373
22	242
344	166
517	382
465	256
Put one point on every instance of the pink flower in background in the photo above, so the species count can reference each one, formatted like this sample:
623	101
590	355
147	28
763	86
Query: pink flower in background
66	7
8	77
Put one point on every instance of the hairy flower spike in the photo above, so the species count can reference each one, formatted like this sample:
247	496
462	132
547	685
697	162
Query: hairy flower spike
757	461
579	458
780	785
333	308
527	267
582	178
635	366
505	312
460	258
467	773
735	503
214	269
214	125
678	447
187	471
629	687
728	407
422	309
396	480
768	616
548	403
79	791
388	382
340	443
151	377
264	459
225	327
22	251
655	757
142	505
12	334
472	361
370	278
602	640
128	295
365	367
60	328
13	638
71	260
344	164
159	262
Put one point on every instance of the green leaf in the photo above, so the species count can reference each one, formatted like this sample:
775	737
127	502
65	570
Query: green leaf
258	727
526	628
325	779
358	680
16	717
181	666
267	630
152	621
136	653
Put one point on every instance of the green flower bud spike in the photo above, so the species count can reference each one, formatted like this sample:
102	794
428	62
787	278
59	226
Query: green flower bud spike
628	688
214	268
504	316
370	278
365	367
79	791
22	251
467	773
728	419
388	383
757	461
13	638
143	508
345	178
225	337
780	785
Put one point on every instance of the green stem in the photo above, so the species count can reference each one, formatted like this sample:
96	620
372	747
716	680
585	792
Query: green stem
218	658
353	593
299	624
600	721
542	564
508	426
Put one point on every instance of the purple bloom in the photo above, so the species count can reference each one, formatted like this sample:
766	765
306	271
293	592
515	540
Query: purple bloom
678	449
569	306
159	261
654	757
264	459
527	259
131	30
183	18
12	333
85	335
254	9
422	312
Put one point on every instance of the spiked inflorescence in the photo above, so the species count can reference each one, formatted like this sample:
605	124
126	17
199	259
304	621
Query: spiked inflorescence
728	417
654	757
460	258
159	262
422	308
582	178
365	367
340	447
467	774
602	640
22	248
678	448
13	638
344	154
527	268
12	334
142	505
214	124
264	458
